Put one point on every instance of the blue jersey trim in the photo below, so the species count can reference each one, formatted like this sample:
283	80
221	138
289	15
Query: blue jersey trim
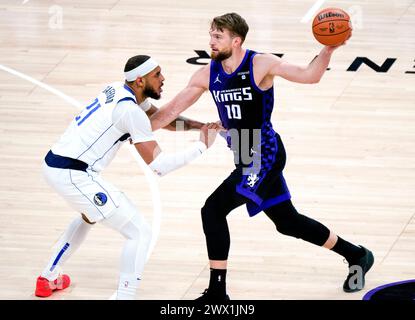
57	161
254	209
250	195
129	89
127	99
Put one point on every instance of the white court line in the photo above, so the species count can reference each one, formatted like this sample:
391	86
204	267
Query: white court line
151	178
42	85
312	11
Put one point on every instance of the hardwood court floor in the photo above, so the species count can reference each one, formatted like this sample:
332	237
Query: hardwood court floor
350	141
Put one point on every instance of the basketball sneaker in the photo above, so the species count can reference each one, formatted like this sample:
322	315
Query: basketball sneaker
355	280
45	288
209	297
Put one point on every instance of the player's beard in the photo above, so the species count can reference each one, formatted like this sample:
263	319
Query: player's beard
221	55
151	93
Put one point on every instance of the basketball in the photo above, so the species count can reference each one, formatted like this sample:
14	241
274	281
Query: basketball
332	26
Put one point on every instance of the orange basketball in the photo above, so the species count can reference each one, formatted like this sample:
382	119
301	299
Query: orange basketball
332	26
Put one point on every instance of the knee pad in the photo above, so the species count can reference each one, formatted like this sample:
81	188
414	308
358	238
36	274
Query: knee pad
291	223
303	227
204	213
288	227
284	216
128	221
209	219
287	220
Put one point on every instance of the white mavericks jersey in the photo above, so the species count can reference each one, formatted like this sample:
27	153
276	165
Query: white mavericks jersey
96	134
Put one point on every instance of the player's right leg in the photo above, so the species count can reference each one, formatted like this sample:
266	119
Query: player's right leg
218	205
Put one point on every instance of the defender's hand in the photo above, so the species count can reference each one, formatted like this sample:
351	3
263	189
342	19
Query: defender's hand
208	133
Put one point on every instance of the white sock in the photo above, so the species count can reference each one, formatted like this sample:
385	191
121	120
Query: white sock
66	245
127	287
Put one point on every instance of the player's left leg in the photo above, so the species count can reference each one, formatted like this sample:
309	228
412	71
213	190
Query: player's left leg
289	222
131	224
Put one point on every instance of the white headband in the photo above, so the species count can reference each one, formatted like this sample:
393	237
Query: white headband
140	71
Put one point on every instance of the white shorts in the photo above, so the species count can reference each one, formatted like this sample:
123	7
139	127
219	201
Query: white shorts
86	192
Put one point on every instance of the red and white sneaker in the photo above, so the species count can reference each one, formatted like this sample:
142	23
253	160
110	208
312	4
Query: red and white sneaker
45	288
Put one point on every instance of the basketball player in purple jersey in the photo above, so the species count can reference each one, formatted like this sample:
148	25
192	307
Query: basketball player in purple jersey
241	83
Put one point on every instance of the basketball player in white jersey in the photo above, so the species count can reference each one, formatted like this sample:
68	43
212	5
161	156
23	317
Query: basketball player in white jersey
72	168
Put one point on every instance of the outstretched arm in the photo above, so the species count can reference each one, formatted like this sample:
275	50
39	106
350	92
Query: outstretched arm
180	122
312	73
127	118
162	163
305	74
198	84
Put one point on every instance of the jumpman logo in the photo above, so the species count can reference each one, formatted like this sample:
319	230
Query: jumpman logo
217	80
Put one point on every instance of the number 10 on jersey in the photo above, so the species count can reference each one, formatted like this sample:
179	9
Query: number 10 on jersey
234	111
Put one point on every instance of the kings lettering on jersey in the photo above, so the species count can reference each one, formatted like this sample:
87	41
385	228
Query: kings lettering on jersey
238	94
245	110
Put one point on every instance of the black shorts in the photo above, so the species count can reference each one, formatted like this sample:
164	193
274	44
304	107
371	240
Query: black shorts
266	187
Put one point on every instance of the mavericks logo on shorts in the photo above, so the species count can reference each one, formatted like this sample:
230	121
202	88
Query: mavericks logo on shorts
100	199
